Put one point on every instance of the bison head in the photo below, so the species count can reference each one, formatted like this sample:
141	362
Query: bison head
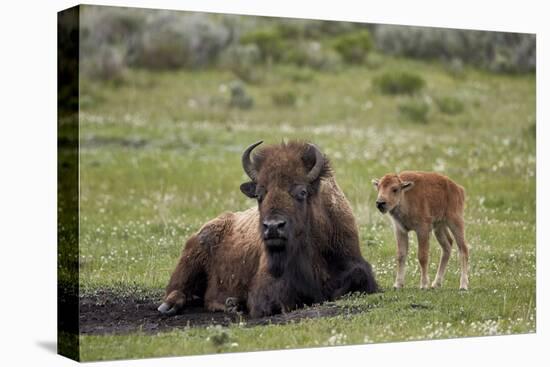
285	181
390	191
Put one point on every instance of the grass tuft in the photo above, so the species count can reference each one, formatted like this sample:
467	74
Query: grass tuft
400	82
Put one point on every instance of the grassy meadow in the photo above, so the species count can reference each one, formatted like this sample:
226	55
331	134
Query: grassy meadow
160	155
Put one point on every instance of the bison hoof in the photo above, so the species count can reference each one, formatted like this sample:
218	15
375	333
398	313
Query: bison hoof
436	285
168	310
397	286
172	304
232	305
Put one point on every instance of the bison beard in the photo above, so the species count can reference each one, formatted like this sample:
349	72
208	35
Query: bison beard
300	246
276	263
293	272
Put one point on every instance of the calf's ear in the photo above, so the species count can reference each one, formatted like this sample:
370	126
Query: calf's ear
406	185
375	183
249	189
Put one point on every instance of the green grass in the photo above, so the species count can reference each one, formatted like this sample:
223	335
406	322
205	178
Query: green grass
161	155
394	316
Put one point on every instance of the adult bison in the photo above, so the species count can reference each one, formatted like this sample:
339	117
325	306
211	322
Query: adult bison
300	246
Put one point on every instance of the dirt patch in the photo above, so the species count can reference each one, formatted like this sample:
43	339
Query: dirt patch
106	313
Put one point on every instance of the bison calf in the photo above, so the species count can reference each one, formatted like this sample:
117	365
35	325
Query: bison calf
420	202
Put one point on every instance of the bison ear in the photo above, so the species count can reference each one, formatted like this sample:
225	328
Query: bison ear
406	185
249	189
375	183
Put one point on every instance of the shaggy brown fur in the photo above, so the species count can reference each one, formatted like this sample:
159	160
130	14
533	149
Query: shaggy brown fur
420	202
299	246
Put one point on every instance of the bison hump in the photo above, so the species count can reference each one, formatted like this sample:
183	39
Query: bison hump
213	232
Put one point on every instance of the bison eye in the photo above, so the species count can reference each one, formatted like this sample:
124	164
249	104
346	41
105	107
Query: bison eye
298	192
395	189
260	194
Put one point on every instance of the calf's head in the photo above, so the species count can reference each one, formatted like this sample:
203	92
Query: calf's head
390	191
284	179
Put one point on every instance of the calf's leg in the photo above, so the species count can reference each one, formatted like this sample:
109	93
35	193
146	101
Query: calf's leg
442	236
423	236
402	238
456	224
448	235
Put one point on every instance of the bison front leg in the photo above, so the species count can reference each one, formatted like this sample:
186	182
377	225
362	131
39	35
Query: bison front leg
188	279
264	297
358	277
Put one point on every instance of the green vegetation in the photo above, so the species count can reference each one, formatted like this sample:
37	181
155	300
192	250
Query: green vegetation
160	155
286	98
449	105
113	39
269	41
495	51
415	110
354	47
399	82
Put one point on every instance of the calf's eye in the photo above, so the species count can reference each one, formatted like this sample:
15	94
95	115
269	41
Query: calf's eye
395	191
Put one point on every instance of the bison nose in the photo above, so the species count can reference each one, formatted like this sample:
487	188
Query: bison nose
274	227
380	204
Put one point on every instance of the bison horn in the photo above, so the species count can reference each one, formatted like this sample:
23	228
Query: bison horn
319	163
248	166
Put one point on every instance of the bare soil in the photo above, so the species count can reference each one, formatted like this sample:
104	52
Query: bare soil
108	313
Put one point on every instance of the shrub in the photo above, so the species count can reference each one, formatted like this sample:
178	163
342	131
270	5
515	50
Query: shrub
415	110
104	38
354	47
285	98
243	61
333	28
269	41
107	63
293	29
496	51
399	83
374	60
311	54
455	67
449	105
110	25
239	97
154	39
298	75
174	40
